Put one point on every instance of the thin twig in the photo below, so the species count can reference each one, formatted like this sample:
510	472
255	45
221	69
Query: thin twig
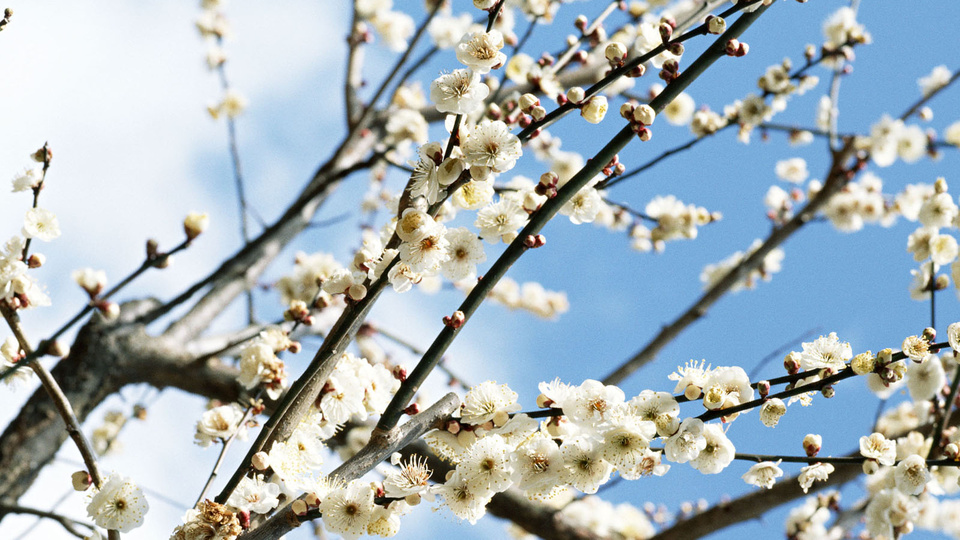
837	177
237	178
67	523
60	401
226	446
36	194
41	349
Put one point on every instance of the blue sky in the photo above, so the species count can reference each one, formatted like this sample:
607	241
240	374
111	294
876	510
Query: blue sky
120	94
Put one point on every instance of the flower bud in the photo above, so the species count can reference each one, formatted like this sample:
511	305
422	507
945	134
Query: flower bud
195	223
731	47
951	451
716	25
152	248
528	101
870	466
791	362
943	281
357	291
691	392
299	507
413	499
81	480
811	444
260	461
90	280
828	391
455	321
594	110
58	349
36	260
615	52
576	94
538	113
645	114
666	31
110	310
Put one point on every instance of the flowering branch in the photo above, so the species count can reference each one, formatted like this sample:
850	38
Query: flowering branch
151	261
837	177
60	401
366	114
226	444
45	155
381	446
540	218
627	67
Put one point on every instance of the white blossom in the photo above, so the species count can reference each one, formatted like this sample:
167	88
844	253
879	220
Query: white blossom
480	51
41	224
484	401
889	510
464	501
348	510
500	220
490	144
219	423
488	464
792	170
937	79
119	504
811	473
27	180
826	352
687	443
876	446
763	474
718	452
459	92
911	475
255	495
586	469
465	252
925	379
